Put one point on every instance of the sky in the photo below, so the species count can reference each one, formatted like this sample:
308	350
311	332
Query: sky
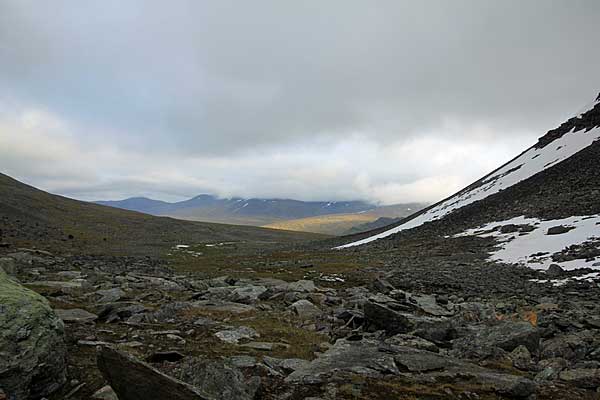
384	101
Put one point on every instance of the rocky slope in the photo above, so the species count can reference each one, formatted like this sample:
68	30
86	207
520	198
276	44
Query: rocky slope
31	217
137	327
554	183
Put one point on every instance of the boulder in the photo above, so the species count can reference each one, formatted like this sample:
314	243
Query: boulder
380	316
555	271
32	343
506	335
110	295
9	265
303	286
234	335
361	357
247	294
105	393
218	379
559	230
304	309
76	315
580	377
132	379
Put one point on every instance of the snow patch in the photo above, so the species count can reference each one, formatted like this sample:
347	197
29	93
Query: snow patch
535	248
523	167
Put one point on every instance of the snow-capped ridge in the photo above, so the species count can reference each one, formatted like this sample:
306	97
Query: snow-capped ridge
554	147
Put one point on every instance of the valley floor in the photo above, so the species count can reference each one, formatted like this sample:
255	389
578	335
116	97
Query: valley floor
421	320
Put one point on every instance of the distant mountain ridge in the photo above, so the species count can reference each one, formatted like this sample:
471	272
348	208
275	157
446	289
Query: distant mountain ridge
252	211
338	216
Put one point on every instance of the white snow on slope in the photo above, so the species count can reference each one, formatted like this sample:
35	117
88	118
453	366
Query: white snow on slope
522	247
525	166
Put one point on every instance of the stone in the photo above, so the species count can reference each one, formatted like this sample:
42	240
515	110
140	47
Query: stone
381	316
32	343
105	393
247	294
119	311
428	305
505	335
67	285
304	309
222	307
585	378
382	286
132	379
304	286
243	361
286	365
559	230
555	270
361	357
262	346
9	265
521	358
110	295
233	336
76	316
218	379
550	369
412	341
69	274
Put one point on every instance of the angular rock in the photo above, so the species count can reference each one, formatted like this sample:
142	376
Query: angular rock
247	294
381	316
222	307
505	335
9	265
304	309
132	379
303	286
105	393
32	343
234	335
218	379
76	315
110	295
586	378
428	304
555	271
362	357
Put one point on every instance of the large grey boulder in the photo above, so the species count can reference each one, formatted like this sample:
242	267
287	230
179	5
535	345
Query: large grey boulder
505	335
375	359
132	379
218	379
32	346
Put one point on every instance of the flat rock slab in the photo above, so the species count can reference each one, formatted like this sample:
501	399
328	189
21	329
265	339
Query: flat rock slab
234	335
222	307
56	284
76	315
132	379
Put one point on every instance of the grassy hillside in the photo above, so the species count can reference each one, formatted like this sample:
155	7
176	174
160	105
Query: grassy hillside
341	224
334	224
33	218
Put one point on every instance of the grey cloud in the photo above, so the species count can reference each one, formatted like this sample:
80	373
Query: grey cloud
225	78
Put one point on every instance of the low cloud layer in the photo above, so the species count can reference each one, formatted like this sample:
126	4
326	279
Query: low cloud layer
389	102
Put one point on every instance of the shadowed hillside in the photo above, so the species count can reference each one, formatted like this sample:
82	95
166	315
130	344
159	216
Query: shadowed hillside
32	217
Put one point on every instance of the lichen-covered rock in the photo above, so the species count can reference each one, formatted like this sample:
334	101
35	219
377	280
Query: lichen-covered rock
32	347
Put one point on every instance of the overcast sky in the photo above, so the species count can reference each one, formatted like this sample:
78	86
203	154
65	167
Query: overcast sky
387	101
